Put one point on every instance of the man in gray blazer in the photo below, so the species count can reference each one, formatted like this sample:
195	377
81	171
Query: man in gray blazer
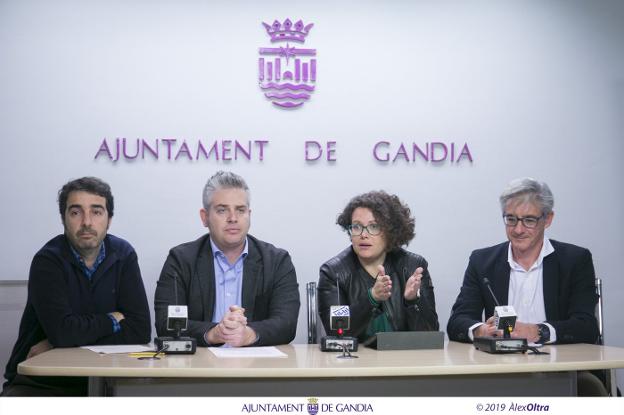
239	290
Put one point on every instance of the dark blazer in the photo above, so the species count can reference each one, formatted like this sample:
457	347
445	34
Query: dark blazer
569	292
70	310
344	281
270	291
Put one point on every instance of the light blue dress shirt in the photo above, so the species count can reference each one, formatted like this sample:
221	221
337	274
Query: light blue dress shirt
228	281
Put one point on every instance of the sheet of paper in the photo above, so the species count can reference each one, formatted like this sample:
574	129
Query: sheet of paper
121	348
238	352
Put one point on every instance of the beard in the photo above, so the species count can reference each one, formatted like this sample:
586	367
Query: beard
89	244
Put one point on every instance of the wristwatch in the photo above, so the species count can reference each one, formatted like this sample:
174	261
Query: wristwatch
543	332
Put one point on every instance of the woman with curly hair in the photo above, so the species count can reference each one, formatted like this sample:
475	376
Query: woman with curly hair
386	287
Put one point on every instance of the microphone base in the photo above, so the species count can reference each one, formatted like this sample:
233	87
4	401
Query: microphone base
176	345
500	345
336	343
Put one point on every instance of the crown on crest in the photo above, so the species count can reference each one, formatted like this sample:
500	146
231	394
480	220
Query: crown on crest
288	31
313	401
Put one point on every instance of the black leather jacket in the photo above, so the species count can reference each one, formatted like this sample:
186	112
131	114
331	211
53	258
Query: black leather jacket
353	283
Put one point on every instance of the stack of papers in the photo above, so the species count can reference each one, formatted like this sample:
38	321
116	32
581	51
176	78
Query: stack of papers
246	352
120	348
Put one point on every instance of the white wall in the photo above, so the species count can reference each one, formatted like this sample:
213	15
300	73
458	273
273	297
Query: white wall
534	87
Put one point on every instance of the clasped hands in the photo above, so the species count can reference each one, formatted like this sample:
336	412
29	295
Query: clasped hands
521	331
382	289
232	329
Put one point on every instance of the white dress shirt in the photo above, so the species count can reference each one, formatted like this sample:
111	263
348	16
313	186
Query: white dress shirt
526	289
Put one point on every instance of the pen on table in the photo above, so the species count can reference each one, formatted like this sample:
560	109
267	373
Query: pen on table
142	354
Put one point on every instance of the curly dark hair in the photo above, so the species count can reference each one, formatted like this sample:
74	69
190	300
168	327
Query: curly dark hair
91	185
393	216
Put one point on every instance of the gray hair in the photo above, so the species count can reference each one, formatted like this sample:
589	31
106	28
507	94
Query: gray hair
527	189
223	180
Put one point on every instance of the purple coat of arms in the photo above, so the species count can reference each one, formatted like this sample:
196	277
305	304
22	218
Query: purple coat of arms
287	73
313	406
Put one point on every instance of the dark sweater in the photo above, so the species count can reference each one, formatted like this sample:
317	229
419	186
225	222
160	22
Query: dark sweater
70	310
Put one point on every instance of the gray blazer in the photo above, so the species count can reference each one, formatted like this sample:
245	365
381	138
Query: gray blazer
270	290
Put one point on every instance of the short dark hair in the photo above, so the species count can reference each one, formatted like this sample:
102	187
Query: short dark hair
393	216
90	185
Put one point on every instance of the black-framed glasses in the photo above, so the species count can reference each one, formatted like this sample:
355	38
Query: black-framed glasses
356	229
528	221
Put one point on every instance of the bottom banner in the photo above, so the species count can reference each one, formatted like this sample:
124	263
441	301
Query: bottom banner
312	405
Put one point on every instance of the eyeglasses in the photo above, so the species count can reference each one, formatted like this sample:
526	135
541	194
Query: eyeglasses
356	229
528	221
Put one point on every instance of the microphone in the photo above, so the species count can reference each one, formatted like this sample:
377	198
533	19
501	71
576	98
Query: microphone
339	318
487	284
339	321
177	322
504	316
505	319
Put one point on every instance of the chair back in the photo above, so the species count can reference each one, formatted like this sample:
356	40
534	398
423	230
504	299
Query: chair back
598	312
312	312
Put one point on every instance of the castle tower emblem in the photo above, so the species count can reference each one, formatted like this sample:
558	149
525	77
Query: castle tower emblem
287	71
